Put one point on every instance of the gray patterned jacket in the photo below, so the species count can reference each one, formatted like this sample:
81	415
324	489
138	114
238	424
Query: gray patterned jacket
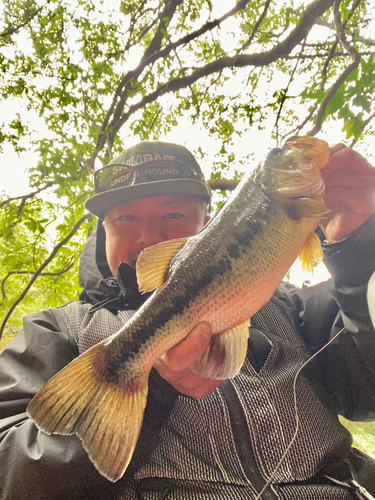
274	427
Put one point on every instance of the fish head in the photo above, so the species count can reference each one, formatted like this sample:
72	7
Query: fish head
294	169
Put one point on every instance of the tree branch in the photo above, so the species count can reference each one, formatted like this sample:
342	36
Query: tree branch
307	20
11	273
364	125
335	87
321	56
132	25
334	46
10	31
123	88
134	74
43	266
286	92
223	184
25	196
255	29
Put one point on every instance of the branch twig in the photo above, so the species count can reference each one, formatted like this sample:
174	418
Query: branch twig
364	125
11	273
39	271
223	184
134	74
307	20
286	92
344	75
25	196
255	29
10	31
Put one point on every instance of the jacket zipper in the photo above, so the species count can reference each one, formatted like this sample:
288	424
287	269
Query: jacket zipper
242	441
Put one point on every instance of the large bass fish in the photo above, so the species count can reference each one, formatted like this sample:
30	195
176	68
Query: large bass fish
221	276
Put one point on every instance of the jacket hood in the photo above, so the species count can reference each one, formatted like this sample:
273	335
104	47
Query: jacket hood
100	287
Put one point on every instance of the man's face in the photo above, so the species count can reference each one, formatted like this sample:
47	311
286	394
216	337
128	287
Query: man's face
136	225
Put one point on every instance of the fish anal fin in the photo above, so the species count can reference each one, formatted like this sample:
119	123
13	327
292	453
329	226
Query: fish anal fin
107	417
311	253
225	355
152	264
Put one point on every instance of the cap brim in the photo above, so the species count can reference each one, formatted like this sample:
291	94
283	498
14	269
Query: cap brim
102	202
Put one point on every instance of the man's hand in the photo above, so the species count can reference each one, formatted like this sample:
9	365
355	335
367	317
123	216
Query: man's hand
173	366
350	192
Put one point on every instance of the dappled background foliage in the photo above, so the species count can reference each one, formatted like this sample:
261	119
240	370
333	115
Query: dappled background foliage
96	75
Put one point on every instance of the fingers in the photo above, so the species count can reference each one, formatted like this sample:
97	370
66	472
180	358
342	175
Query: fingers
173	366
349	190
337	147
345	178
355	200
187	382
344	158
188	350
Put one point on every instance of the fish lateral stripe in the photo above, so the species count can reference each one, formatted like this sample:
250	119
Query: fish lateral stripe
132	349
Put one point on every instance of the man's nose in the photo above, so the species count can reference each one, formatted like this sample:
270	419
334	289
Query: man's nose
150	234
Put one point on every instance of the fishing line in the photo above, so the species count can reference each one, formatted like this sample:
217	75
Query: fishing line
296	416
333	255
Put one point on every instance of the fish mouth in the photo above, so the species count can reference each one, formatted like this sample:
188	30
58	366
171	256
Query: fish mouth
306	143
294	169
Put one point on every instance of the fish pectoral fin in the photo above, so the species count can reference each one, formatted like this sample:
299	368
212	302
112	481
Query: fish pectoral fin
107	417
310	208
311	253
225	354
152	264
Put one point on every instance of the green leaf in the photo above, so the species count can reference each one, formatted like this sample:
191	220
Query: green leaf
362	102
9	260
353	127
336	103
61	227
353	75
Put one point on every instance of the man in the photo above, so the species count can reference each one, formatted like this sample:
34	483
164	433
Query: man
201	439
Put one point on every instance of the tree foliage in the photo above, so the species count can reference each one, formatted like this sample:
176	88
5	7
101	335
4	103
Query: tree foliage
96	73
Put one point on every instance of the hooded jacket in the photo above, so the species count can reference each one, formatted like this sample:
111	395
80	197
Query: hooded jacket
170	458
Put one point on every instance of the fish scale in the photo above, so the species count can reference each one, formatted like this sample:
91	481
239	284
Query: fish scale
221	276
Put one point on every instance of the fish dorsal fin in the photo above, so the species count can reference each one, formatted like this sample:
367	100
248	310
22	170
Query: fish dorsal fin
153	262
310	208
311	253
225	355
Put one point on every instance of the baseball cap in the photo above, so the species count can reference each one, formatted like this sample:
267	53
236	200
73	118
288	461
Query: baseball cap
150	168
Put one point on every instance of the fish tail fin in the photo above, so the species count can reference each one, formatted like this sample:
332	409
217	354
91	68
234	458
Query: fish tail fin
106	416
311	253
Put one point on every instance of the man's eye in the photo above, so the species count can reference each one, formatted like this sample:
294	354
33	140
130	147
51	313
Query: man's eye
174	215
127	217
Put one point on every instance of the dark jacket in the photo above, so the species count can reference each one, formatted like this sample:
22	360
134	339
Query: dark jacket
36	466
